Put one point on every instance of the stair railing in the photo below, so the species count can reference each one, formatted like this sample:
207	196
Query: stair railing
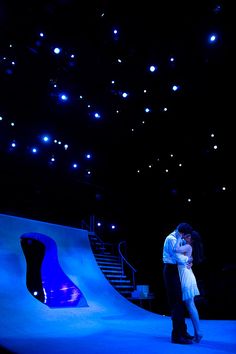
125	263
90	228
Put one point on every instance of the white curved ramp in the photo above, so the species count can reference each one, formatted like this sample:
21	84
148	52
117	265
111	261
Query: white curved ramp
110	323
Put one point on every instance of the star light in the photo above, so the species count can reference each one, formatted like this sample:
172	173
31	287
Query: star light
57	50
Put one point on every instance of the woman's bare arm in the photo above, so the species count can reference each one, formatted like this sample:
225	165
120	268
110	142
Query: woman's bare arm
186	249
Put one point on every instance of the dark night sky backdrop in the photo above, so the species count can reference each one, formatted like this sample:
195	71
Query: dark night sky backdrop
149	204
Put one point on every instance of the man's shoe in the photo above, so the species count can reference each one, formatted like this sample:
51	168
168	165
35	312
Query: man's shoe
197	338
181	340
188	336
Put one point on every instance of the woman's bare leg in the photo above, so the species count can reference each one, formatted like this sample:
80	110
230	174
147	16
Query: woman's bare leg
193	312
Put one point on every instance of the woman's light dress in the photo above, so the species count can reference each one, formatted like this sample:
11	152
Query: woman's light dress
188	282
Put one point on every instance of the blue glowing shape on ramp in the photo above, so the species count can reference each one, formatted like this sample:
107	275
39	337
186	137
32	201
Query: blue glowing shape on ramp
45	278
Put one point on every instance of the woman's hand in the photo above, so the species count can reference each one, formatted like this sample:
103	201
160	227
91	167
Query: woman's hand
189	265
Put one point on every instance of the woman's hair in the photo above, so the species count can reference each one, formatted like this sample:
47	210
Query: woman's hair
197	245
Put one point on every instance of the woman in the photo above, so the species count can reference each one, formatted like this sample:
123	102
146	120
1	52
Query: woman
189	284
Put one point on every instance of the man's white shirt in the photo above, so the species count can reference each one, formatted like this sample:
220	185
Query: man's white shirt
169	255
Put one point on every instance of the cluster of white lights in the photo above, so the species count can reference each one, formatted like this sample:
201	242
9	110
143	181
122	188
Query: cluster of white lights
65	97
47	140
153	68
111	226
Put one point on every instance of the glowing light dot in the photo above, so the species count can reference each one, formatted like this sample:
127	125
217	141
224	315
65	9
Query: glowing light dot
175	88
63	97
217	8
57	50
97	115
152	68
213	38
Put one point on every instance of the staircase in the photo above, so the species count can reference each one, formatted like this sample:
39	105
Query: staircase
111	263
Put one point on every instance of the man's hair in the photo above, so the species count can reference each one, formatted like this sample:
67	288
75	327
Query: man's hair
185	228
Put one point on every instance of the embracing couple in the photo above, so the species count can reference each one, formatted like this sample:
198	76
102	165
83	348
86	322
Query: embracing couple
180	282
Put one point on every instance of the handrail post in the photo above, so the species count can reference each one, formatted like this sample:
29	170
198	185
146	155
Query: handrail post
124	261
91	223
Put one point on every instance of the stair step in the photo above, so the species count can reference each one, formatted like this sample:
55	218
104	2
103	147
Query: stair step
111	267
92	234
111	271
106	256
97	242
126	294
108	263
122	281
107	260
116	276
120	286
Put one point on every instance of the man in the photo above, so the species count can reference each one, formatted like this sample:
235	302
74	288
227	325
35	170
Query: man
171	260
